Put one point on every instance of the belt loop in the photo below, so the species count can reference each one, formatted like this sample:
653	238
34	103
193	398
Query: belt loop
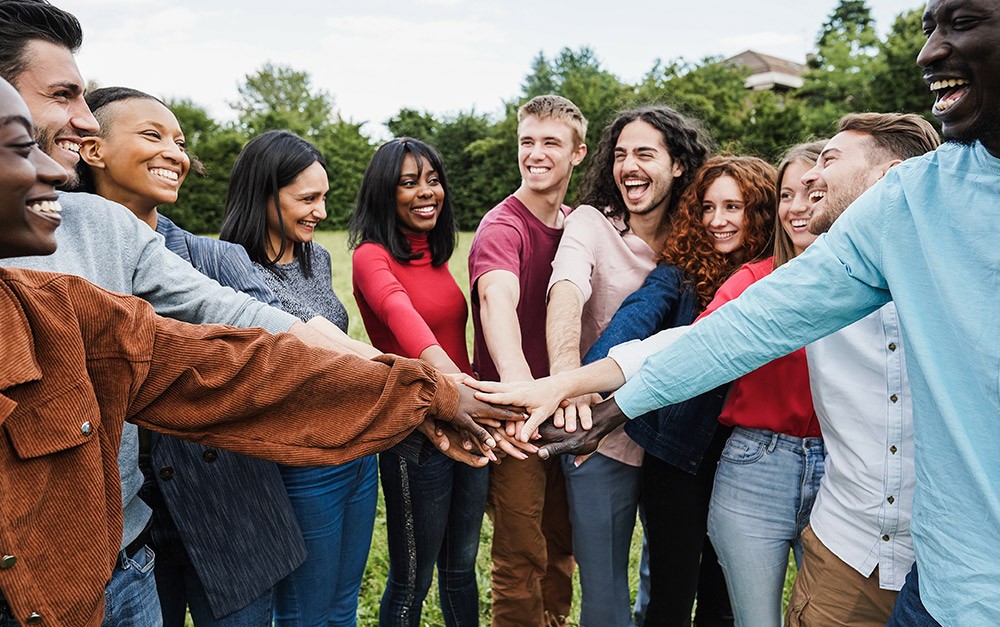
773	443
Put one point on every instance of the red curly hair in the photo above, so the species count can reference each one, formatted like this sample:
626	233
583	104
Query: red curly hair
688	244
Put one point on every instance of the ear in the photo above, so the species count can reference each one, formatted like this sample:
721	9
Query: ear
678	169
92	152
885	167
579	154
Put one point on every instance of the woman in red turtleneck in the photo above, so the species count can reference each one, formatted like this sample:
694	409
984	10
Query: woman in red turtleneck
403	231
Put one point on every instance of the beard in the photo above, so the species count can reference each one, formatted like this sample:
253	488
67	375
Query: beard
46	143
837	200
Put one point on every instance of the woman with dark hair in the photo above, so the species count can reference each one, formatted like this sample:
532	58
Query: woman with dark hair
771	466
277	195
219	562
403	232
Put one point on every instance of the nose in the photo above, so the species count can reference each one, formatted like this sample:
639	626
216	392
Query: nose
800	203
425	191
628	163
320	210
718	219
935	49
48	172
173	152
810	177
81	117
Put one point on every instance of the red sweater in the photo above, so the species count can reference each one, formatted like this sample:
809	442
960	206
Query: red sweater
775	396
409	306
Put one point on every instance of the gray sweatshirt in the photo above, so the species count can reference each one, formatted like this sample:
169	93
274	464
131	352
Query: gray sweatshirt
104	243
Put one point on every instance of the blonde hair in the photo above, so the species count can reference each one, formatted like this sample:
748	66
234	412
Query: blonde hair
808	153
555	107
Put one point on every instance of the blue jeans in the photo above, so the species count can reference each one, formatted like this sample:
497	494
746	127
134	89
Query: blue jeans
765	486
130	597
180	589
909	610
335	508
434	512
603	498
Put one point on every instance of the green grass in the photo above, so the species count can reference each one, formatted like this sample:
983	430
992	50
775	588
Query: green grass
378	559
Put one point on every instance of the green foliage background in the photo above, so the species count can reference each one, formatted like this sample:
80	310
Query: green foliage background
850	69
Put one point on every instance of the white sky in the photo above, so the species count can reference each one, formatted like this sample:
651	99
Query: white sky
442	56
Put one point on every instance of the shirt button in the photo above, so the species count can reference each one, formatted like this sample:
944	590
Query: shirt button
891	500
893	398
886	537
7	561
893	449
166	473
34	618
210	455
86	428
892	346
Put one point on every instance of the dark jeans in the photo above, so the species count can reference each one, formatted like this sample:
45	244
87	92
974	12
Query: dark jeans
682	562
433	512
909	610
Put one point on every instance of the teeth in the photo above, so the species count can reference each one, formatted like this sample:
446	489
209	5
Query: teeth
951	82
537	170
70	146
725	235
817	195
45	206
425	210
165	174
796	224
308	223
635	183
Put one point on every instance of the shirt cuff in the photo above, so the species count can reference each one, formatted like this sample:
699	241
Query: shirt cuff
632	354
445	403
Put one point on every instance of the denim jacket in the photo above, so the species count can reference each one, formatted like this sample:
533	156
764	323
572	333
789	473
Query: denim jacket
198	485
678	434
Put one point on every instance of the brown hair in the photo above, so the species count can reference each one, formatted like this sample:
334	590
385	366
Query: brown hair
893	135
784	250
554	107
689	246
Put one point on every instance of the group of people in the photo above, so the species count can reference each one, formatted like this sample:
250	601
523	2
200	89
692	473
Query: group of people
685	283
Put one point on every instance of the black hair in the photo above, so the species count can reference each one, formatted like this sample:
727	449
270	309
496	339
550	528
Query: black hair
97	100
683	139
268	162
375	219
23	21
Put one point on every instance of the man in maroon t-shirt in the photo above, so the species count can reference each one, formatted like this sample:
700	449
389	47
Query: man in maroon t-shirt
509	267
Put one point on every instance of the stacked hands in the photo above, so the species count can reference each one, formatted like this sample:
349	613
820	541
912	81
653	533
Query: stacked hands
514	419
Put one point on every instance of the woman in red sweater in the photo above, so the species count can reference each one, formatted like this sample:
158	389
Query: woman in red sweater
404	232
772	463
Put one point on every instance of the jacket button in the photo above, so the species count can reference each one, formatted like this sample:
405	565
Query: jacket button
86	428
34	618
7	561
210	455
892	346
166	473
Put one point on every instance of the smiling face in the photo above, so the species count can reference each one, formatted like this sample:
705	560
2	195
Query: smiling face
722	212
419	195
303	206
960	61
841	174
643	169
28	207
546	154
794	206
52	88
140	160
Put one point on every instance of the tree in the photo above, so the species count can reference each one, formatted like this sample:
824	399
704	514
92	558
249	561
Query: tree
898	85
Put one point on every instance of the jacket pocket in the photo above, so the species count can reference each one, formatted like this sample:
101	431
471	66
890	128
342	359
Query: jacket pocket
64	421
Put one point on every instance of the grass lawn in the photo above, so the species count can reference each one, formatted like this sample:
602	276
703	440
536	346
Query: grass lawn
378	560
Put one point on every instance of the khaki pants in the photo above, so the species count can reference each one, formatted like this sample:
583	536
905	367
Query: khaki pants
532	543
829	592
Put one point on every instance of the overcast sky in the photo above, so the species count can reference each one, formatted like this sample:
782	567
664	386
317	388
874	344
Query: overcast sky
442	56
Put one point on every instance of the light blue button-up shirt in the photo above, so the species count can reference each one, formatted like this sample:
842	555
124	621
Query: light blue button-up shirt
927	237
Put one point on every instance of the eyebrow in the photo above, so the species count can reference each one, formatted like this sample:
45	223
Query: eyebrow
16	119
828	151
71	86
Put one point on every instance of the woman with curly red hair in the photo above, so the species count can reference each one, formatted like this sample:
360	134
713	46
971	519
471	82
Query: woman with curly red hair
725	218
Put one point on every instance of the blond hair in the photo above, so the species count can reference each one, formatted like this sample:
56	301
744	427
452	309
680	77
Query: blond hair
555	107
808	153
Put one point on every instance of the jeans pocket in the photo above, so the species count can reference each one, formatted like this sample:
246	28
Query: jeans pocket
144	559
742	450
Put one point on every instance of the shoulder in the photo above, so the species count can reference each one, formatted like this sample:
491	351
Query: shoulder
370	251
586	215
90	209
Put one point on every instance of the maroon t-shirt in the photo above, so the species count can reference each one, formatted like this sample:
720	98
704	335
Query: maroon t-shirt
511	238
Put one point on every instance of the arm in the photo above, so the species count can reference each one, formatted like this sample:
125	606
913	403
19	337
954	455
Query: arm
499	292
563	322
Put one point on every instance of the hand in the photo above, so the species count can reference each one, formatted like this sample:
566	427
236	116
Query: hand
450	443
607	417
472	411
578	407
540	398
510	445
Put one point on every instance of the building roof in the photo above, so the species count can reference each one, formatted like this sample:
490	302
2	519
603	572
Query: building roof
769	72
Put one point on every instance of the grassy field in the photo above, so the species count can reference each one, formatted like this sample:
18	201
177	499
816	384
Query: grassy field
378	560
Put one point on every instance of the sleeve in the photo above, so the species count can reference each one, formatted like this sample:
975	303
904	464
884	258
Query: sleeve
632	354
642	313
375	280
835	282
497	246
177	290
237	272
574	260
272	396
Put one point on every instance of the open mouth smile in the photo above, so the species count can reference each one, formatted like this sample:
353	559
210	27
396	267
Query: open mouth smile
948	92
